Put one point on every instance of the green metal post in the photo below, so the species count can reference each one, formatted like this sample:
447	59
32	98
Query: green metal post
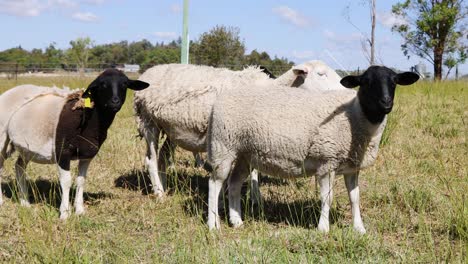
184	53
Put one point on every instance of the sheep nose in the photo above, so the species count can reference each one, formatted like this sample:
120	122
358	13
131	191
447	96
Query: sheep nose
386	100
115	100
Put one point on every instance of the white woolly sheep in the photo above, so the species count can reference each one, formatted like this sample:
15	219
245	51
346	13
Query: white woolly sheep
294	133
52	126
313	75
180	98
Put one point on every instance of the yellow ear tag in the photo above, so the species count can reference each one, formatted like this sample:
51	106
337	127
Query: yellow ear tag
87	102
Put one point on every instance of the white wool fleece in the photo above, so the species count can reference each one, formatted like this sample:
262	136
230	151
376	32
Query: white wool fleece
180	98
293	133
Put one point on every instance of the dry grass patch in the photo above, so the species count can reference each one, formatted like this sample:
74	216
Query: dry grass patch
414	200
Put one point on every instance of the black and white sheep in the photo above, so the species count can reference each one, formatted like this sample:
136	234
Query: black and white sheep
180	98
296	133
51	126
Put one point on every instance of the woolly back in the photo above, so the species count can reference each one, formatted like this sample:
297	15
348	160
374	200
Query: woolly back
172	83
13	99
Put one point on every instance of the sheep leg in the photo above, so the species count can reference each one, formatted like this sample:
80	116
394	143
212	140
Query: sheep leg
65	184
198	159
255	194
2	160
165	155
151	161
20	169
80	183
215	183
238	176
326	197
168	152
316	186
351	181
3	157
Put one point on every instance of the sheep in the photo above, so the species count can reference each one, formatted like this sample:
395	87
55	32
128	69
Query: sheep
14	99
180	99
55	127
313	75
295	133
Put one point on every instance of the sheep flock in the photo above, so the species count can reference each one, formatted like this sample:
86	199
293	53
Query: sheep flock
304	123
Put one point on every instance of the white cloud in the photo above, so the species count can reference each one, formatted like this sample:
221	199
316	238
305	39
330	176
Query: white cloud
61	4
33	7
165	35
22	8
305	54
291	16
85	17
388	19
176	8
94	2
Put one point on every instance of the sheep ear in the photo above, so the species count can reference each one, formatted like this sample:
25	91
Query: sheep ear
406	78
137	85
91	88
351	81
300	70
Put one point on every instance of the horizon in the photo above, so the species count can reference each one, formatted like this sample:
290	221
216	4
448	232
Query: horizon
286	29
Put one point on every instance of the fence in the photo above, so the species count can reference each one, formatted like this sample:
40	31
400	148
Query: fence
19	68
12	70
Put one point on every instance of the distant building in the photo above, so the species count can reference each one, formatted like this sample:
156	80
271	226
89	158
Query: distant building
420	69
129	68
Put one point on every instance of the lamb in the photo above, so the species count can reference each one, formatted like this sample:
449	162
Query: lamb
52	126
180	99
295	133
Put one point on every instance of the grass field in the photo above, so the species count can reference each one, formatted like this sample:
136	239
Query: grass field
414	200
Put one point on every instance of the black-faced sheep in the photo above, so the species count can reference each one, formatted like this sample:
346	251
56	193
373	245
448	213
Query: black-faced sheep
296	133
57	127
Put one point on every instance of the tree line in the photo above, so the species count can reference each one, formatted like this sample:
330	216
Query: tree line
220	47
433	30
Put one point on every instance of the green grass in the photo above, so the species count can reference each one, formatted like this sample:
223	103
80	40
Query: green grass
414	200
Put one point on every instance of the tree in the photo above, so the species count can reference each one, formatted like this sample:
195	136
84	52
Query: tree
276	66
36	59
372	41
161	55
53	55
15	58
221	46
365	40
138	51
435	29
79	52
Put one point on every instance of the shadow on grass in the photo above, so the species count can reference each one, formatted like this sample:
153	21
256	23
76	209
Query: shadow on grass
45	191
134	180
181	182
194	188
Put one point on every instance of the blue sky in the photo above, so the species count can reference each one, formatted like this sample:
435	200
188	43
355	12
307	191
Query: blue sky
299	30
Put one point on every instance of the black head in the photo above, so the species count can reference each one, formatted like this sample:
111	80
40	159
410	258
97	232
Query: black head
377	89
109	89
